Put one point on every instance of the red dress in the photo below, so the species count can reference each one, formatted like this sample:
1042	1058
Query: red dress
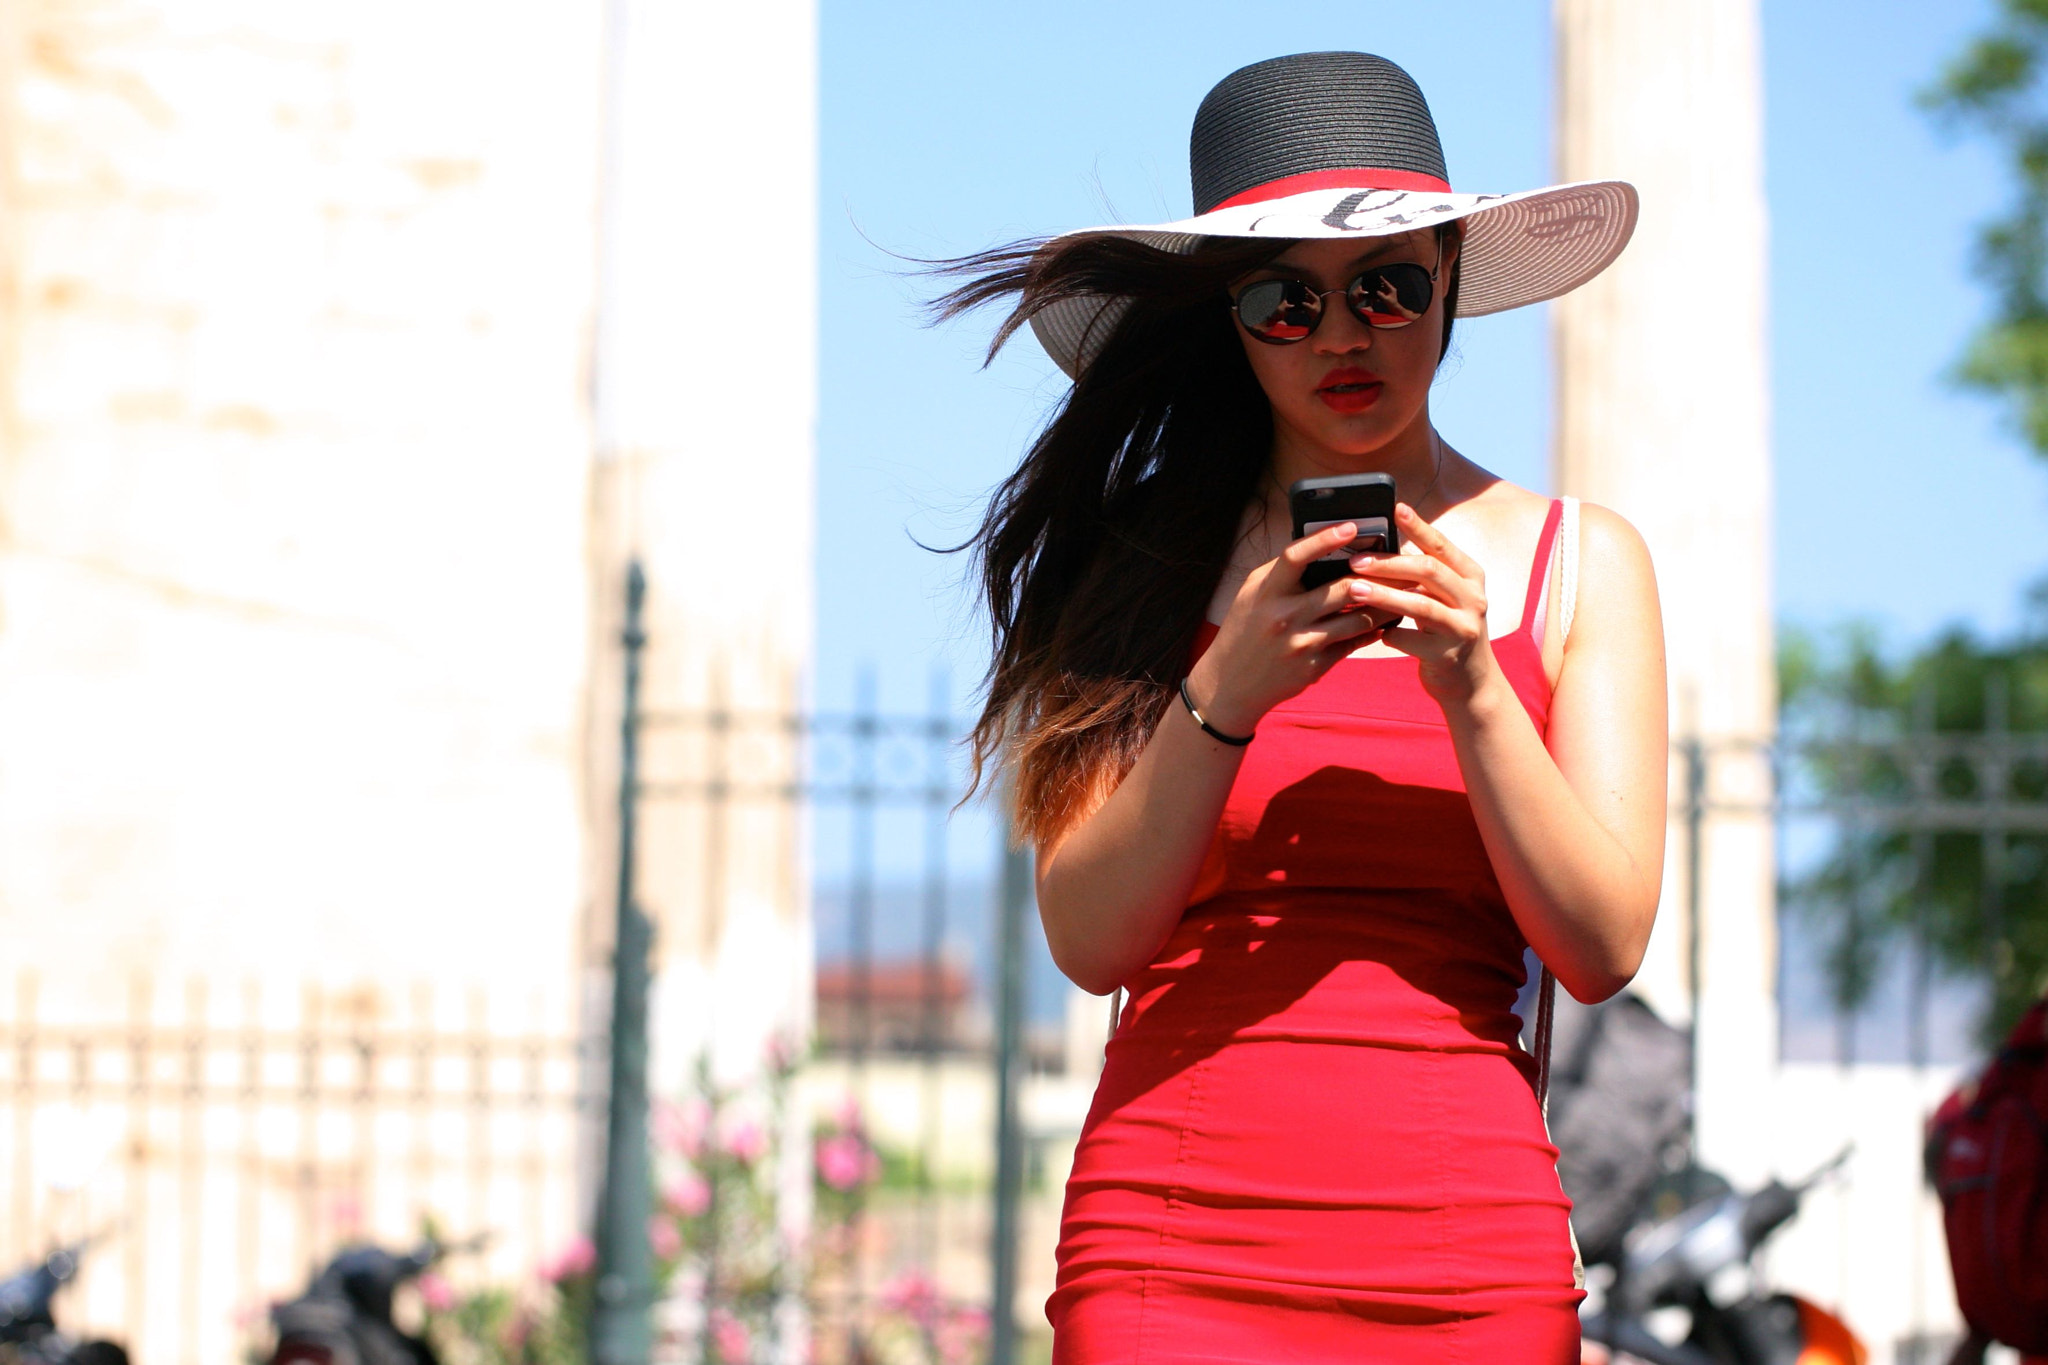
1316	1136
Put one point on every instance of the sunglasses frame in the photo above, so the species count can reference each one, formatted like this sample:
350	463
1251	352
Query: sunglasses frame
1347	291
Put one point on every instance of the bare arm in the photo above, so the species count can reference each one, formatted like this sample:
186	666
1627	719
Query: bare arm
1113	885
1575	831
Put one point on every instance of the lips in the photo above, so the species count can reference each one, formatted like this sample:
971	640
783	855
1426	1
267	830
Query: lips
1350	389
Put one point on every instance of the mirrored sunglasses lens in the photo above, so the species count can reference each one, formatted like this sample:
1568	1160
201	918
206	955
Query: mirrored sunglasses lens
1278	310
1391	295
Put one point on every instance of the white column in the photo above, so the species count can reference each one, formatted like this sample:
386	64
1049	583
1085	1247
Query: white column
705	394
1663	415
294	457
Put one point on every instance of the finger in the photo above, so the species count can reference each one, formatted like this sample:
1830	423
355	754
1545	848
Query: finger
1407	639
1350	627
1435	543
1345	594
1337	651
1314	547
1423	610
1432	576
1412	569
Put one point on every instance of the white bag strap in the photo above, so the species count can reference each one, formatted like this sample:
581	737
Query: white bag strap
1567	552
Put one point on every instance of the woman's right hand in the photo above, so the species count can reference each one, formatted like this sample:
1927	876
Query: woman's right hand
1276	639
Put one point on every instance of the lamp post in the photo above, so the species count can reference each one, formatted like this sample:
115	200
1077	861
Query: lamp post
1010	966
621	1323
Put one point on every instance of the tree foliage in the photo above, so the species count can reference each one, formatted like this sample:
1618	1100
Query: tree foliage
1994	88
1874	736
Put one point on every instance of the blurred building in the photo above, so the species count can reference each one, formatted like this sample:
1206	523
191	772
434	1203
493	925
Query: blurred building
894	1006
347	354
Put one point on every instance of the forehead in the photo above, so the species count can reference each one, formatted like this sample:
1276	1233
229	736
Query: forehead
1337	255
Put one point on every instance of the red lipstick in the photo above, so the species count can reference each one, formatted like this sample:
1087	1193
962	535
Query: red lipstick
1350	389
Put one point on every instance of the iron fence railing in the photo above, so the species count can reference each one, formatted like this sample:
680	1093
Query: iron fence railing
216	1149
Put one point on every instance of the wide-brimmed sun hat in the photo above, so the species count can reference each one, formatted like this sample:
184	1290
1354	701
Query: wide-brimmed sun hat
1341	144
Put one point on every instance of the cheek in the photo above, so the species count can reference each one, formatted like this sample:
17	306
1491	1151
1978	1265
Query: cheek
1410	356
1288	374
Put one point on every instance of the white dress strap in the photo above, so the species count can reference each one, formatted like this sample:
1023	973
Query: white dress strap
1564	554
1568	551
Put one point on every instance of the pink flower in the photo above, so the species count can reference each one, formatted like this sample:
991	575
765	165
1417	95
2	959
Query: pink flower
962	1337
848	1116
747	1142
689	1194
914	1294
730	1337
577	1258
663	1238
845	1161
781	1054
681	1127
436	1293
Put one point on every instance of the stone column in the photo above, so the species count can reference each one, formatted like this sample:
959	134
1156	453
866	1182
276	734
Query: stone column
1663	415
705	434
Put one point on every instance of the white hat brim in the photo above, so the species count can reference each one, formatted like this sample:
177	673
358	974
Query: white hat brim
1518	248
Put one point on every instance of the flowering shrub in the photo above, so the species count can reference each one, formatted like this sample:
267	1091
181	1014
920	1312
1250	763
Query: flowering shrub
918	1324
723	1254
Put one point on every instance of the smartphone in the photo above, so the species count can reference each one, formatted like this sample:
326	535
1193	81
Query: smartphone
1367	499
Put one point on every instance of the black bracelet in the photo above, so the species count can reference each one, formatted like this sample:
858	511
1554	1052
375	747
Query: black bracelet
1234	741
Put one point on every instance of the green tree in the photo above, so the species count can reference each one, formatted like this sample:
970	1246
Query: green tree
1994	88
1888	734
1979	902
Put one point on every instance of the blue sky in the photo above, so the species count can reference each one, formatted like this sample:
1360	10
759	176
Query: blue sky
946	128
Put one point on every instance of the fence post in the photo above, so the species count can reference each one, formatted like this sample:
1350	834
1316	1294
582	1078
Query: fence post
621	1326
1010	964
1695	752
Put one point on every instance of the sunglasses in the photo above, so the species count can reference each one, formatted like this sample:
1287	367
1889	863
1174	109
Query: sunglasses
1282	312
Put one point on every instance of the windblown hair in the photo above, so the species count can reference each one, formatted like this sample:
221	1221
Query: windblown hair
1098	556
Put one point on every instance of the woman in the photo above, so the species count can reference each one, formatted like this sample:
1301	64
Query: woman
1313	832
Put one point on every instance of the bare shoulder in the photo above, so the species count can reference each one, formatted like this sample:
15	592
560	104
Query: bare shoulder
1608	542
1617	583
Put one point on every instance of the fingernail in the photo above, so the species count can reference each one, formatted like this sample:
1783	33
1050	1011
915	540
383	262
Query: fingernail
1360	589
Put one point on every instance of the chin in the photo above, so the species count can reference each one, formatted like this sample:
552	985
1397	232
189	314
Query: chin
1350	436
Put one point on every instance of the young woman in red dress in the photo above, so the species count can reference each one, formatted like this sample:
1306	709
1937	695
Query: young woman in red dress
1311	833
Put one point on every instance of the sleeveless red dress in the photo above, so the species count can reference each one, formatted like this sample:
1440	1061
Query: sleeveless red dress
1316	1136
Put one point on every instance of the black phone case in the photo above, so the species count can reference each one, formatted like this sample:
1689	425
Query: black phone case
1364	498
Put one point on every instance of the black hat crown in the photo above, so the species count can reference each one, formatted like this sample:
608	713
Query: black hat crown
1308	113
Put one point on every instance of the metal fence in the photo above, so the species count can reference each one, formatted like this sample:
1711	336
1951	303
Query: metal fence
213	1150
923	967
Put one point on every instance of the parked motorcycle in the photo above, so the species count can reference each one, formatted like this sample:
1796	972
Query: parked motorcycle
1684	1261
344	1317
28	1329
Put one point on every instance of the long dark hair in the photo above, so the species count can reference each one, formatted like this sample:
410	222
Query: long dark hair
1097	557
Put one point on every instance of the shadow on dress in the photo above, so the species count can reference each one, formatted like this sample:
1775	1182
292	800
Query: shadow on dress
1389	845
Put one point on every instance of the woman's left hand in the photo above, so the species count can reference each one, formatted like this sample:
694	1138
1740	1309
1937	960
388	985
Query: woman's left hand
1442	592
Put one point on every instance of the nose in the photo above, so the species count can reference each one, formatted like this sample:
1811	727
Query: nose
1342	331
